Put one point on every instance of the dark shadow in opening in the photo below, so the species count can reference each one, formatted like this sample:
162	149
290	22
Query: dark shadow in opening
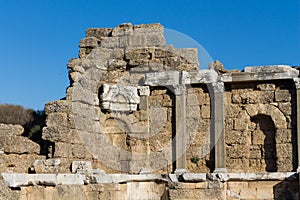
265	128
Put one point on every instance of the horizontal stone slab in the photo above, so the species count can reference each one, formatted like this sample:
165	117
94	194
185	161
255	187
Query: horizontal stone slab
274	176
259	73
202	76
162	78
122	178
194	177
21	180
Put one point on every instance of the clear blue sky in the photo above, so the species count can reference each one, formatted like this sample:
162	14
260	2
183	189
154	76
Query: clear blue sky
38	37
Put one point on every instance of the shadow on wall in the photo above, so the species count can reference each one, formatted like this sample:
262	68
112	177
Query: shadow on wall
263	138
286	190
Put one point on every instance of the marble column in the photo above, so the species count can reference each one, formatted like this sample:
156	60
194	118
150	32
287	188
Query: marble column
217	125
180	139
297	86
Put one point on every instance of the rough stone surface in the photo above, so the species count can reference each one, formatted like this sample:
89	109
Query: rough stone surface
128	89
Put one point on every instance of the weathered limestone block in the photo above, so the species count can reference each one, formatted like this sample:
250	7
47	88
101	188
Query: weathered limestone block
89	42
192	100
284	150
258	137
58	106
145	28
285	108
123	29
189	55
5	192
266	87
46	166
110	42
115	64
284	69
105	54
158	119
284	164
237	165
11	129
81	167
80	94
18	144
58	119
162	78
232	110
80	152
98	32
119	98
238	151
283	136
282	95
141	53
255	152
63	150
205	112
18	163
58	133
18	180
238	137
242	121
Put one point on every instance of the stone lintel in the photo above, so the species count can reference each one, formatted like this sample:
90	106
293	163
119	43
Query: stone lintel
200	76
261	73
272	69
267	176
15	180
166	78
20	180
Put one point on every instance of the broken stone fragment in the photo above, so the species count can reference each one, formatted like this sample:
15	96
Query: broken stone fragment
11	140
46	166
119	98
81	167
89	42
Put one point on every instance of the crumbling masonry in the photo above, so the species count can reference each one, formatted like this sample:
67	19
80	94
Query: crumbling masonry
141	121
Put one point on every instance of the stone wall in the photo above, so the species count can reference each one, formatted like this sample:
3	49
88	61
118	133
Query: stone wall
140	120
107	100
260	135
17	153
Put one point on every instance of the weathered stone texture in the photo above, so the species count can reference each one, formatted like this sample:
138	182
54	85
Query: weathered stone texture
260	127
138	108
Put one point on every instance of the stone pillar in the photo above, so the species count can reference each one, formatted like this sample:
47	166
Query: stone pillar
180	140
217	125
144	92
297	86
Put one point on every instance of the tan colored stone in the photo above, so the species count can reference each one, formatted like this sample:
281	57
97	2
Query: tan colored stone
282	95
284	150
205	112
11	129
248	194
242	121
266	87
283	136
285	108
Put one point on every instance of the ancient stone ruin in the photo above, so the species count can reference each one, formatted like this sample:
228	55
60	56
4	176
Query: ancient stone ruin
141	120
